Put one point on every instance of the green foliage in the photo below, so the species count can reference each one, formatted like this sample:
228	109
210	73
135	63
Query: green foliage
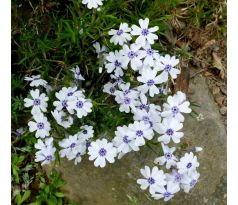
49	191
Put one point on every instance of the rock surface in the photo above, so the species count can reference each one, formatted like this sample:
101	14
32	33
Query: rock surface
116	183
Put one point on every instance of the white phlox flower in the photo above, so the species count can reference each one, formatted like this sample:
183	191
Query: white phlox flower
46	151
169	159
62	118
77	73
167	66
187	164
124	140
175	106
141	131
38	102
131	55
145	34
150	80
169	128
36	81
154	179
168	192
102	151
120	36
115	63
40	125
92	4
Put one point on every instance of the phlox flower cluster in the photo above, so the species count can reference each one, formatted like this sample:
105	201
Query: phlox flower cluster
153	71
149	73
70	103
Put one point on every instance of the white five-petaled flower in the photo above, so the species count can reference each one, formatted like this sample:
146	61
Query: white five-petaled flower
46	151
77	153
175	177
168	157
131	55
82	106
64	96
109	88
92	3
146	35
150	56
124	140
176	105
100	50
187	164
36	81
149	115
77	73
127	98
100	151
141	131
68	144
120	36
168	192
169	129
154	179
190	181
149	78
38	101
167	66
115	63
46	155
41	126
86	132
62	118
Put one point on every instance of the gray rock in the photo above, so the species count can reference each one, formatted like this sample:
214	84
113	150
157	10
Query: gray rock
116	183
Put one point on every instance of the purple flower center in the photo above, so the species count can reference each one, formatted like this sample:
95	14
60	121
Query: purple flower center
146	118
150	82
167	194
150	52
189	165
64	103
167	68
36	102
78	154
102	152
131	54
70	93
85	132
127	100
88	143
112	89
193	182
125	139
144	32
119	32
168	156
49	158
142	106
72	145
118	79
36	78
126	92
178	177
139	133
169	132
175	110
117	63
151	180
79	104
40	125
